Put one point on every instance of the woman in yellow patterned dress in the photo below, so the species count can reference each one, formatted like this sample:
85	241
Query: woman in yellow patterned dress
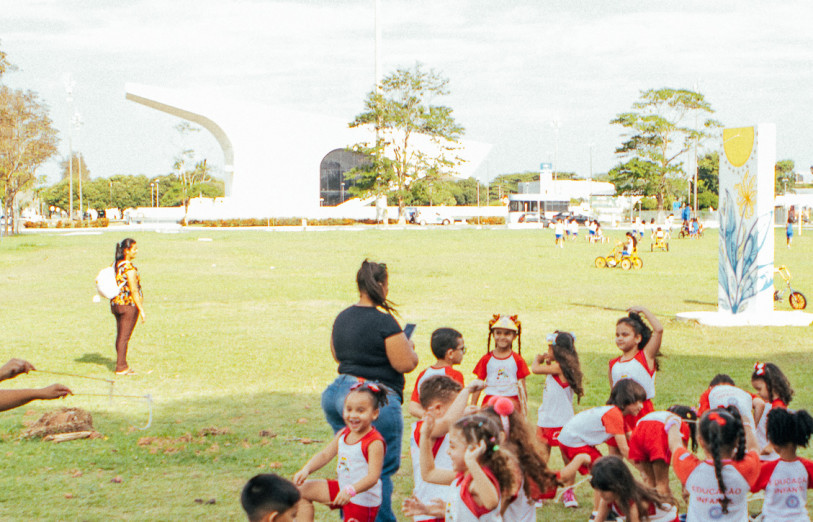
128	305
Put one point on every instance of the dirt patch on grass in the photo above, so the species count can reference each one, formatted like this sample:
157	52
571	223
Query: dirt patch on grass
63	420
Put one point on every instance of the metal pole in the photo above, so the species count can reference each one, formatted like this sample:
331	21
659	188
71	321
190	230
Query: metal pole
157	197
79	164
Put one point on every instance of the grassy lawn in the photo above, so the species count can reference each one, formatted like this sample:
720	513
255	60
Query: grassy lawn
237	337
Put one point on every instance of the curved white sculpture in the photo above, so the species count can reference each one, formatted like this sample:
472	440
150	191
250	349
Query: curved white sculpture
271	154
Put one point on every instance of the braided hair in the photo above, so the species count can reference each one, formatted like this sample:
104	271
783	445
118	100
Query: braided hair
724	433
476	428
491	324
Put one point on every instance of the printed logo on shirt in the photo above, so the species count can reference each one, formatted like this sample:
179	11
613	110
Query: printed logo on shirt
343	464
502	375
716	512
792	501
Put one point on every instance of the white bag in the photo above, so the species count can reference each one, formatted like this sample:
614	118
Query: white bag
106	283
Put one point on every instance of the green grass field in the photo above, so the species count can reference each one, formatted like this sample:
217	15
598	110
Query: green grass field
237	337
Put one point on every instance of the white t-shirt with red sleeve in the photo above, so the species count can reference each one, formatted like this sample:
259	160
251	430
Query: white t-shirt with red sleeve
426	491
461	507
352	466
704	492
557	403
448	371
501	375
592	427
785	484
636	369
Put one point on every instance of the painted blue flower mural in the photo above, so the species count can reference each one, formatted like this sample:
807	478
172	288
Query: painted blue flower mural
741	239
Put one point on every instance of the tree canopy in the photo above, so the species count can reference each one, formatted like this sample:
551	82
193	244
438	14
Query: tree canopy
415	139
658	130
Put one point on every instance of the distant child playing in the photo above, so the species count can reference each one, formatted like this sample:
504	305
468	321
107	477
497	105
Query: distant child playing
448	347
360	448
563	379
503	370
270	498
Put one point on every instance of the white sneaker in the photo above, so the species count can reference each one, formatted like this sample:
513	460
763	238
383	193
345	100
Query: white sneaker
569	499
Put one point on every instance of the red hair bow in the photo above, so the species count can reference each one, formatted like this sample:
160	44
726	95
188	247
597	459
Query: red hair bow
717	418
370	385
759	368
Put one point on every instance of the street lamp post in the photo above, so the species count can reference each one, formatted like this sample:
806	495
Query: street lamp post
152	194
157	194
79	164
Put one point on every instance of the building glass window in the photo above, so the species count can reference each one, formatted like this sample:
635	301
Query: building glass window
333	187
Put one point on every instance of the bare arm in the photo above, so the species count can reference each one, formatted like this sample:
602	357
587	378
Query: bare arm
457	409
623	447
751	442
10	399
401	353
481	486
429	472
603	510
654	345
544	365
375	460
15	367
318	461
132	284
415	409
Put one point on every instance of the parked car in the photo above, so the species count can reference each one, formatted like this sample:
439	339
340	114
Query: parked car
432	218
533	217
581	219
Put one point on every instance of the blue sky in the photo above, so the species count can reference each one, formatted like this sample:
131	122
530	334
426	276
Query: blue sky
514	67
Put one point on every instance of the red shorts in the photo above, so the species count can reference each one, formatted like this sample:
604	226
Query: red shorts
649	442
543	495
351	512
571	453
514	399
549	436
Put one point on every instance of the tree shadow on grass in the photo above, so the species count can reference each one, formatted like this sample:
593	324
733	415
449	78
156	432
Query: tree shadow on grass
695	301
97	358
600	307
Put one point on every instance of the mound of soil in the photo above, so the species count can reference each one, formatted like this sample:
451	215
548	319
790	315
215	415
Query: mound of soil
63	420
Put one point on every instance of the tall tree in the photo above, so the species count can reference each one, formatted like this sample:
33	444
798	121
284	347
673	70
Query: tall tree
708	180
785	176
414	138
78	168
661	127
27	140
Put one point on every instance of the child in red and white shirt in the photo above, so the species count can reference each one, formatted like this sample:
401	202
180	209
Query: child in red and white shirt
563	379
503	370
718	486
787	479
623	496
640	346
438	393
723	392
589	428
649	444
775	390
449	348
360	449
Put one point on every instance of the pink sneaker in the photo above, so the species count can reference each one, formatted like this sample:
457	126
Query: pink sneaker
569	499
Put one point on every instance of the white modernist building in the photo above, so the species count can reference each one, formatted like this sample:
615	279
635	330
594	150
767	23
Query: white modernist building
273	156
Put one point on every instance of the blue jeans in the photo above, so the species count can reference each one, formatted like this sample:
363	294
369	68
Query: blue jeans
390	424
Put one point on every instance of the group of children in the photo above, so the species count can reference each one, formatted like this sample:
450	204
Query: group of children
569	228
480	460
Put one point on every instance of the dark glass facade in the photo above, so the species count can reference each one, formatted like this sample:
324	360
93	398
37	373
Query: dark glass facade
333	187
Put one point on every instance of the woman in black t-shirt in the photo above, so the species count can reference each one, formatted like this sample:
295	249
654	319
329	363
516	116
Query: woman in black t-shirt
368	344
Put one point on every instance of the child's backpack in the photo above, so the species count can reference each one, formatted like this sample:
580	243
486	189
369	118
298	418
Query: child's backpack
106	283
